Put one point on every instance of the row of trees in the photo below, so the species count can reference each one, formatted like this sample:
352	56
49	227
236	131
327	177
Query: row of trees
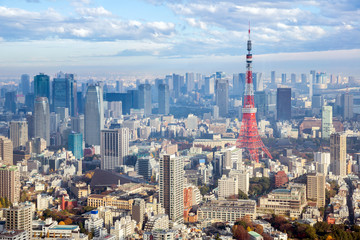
320	231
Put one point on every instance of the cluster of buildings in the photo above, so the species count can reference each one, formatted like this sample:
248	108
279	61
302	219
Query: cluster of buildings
160	160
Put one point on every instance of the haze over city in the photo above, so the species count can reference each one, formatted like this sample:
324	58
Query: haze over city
150	38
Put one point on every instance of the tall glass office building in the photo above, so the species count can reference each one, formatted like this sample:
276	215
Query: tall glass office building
42	86
64	93
42	119
75	144
94	115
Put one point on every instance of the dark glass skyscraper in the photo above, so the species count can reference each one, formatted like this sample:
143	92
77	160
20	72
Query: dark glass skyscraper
65	93
42	86
283	104
10	101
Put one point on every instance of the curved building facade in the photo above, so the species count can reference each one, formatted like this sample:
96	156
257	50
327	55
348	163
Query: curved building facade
42	119
94	115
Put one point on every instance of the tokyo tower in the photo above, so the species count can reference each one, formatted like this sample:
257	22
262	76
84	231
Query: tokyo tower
249	138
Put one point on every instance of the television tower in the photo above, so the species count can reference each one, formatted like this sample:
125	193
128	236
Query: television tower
249	138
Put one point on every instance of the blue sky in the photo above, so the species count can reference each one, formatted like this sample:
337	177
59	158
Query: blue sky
148	38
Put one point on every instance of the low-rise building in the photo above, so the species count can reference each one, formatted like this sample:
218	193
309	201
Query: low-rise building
227	210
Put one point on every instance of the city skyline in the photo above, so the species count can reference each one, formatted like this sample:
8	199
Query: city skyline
152	38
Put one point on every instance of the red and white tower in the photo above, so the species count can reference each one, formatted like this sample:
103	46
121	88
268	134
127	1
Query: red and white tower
249	138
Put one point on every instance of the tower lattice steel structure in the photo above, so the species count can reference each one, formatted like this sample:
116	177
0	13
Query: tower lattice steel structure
249	138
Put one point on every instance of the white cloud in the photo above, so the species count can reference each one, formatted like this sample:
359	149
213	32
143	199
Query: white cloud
94	12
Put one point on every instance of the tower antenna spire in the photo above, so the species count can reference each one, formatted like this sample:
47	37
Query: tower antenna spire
249	29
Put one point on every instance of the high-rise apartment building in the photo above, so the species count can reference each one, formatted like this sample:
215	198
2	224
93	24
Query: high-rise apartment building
19	217
315	188
6	151
228	186
283	104
145	98
10	183
338	154
75	144
18	133
171	186
42	86
42	119
114	147
94	115
326	122
222	96
164	99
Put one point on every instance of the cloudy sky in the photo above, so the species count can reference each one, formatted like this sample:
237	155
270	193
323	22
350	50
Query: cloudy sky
144	38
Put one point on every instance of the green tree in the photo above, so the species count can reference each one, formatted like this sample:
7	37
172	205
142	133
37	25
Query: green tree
242	195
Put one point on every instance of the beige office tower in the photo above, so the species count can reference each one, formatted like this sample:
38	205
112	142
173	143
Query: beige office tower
10	183
171	187
338	154
19	217
18	133
315	188
6	151
114	147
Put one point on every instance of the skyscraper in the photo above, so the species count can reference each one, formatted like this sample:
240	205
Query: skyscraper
114	147
10	183
283	78
315	188
293	78
171	187
75	144
6	151
25	84
209	85
42	86
283	104
10	101
238	84
119	86
258	82
176	85
222	96
18	133
94	115
338	154
190	82
326	122
64	93
42	119
273	77
145	98
303	78
164	99
347	105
